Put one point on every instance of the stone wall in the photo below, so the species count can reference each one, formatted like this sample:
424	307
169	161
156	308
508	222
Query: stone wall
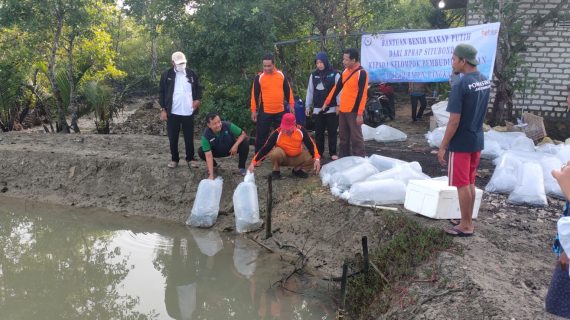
548	59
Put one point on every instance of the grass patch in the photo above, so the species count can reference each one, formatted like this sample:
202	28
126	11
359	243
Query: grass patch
405	245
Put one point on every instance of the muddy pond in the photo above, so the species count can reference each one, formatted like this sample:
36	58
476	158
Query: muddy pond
61	262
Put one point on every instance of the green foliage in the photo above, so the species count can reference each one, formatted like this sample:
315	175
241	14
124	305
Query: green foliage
100	100
405	245
230	101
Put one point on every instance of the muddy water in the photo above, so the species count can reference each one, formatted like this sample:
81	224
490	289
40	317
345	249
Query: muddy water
67	263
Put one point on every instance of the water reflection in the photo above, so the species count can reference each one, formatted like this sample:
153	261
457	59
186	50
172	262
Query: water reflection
58	263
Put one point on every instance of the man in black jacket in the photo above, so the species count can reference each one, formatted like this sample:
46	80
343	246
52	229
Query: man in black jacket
180	95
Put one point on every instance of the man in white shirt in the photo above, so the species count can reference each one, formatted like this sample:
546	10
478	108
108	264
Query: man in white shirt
180	94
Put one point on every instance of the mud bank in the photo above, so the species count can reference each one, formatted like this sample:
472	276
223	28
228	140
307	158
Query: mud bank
503	273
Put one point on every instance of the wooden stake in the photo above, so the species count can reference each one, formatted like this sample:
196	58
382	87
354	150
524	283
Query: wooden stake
268	233
365	253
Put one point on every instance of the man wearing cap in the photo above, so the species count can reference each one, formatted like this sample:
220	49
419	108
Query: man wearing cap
463	138
353	90
269	93
179	100
285	148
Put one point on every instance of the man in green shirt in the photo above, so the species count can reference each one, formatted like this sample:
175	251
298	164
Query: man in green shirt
222	139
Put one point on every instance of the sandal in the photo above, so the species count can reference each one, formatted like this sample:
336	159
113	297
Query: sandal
172	164
456	232
454	222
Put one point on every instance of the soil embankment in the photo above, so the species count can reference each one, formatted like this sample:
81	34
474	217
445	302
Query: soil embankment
504	272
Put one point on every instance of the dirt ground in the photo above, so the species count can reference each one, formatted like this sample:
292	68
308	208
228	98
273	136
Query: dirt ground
503	273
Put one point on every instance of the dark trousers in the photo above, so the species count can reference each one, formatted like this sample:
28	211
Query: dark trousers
391	105
423	105
263	127
173	125
328	122
243	151
350	136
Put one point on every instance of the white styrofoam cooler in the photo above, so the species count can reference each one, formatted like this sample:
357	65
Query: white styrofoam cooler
435	199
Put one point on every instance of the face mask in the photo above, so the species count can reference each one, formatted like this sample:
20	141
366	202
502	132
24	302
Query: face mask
180	67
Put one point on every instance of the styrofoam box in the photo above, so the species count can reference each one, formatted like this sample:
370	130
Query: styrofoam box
435	199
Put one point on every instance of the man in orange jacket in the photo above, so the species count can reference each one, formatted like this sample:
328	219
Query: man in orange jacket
269	93
285	148
353	95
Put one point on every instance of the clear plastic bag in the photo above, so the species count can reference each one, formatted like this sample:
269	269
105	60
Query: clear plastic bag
505	176
383	163
377	192
344	179
329	169
435	137
206	204
368	132
523	143
551	186
401	172
246	205
386	133
492	149
530	189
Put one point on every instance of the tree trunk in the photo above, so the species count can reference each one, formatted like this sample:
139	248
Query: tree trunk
154	55
71	80
62	126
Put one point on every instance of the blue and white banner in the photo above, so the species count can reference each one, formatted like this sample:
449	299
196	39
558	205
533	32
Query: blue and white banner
425	56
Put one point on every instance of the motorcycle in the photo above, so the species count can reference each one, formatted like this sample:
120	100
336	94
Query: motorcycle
378	106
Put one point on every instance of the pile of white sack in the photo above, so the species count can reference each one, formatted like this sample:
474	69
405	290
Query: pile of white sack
522	169
374	180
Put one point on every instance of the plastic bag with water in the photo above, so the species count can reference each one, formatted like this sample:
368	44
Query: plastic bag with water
530	189
383	163
377	192
386	133
505	176
329	169
344	179
368	132
551	186
435	137
246	205
206	204
402	172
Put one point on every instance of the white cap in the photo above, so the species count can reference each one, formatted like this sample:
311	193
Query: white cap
178	57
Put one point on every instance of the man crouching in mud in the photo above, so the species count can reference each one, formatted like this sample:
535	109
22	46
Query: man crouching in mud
463	136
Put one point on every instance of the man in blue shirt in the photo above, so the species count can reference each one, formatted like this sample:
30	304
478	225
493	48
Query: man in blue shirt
463	138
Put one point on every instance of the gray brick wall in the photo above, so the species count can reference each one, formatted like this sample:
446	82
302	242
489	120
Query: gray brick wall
548	60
